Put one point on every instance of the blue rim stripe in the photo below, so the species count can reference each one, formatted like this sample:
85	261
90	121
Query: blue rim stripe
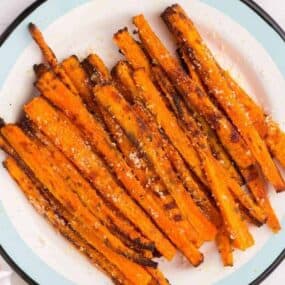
18	250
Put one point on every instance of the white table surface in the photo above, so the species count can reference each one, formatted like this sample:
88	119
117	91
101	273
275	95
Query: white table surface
9	9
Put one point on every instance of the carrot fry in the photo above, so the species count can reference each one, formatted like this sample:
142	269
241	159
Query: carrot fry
78	77
45	49
96	68
131	50
158	276
45	171
266	127
251	174
51	213
123	80
138	130
93	201
69	140
225	248
184	30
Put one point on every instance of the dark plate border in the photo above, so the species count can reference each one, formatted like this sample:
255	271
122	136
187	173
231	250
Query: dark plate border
252	5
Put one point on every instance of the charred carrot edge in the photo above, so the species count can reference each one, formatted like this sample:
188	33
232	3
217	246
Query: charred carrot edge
131	50
78	77
158	276
93	201
47	209
45	49
154	103
225	247
97	69
256	184
182	113
137	130
36	160
182	27
275	140
121	73
252	176
69	140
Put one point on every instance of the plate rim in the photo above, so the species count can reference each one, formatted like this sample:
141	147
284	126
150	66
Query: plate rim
36	4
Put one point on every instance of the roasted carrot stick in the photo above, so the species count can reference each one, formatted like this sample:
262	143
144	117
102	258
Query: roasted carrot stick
49	56
256	114
70	141
251	174
122	76
50	210
224	246
134	126
184	30
131	50
266	127
89	197
89	227
97	69
158	276
153	101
